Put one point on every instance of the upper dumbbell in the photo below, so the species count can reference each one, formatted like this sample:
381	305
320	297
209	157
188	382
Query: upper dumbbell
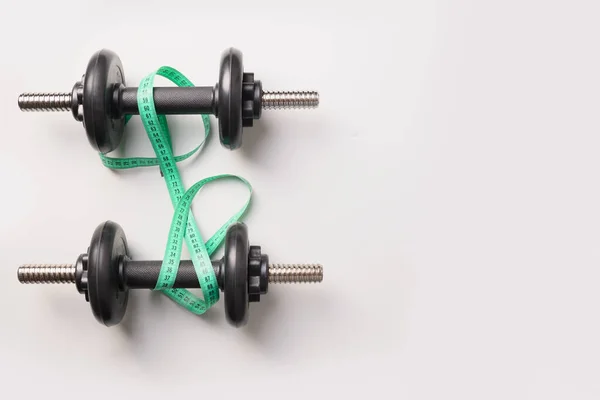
101	100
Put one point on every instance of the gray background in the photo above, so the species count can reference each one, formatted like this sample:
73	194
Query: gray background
448	183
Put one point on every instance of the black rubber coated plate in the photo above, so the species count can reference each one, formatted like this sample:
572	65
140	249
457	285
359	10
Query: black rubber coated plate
230	99
104	73
107	249
235	284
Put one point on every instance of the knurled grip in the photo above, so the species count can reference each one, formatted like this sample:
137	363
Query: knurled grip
171	100
144	274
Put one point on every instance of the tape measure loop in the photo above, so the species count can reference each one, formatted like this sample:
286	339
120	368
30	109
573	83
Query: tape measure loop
183	224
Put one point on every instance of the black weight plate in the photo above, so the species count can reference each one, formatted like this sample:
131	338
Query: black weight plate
230	99
103	75
107	249
235	280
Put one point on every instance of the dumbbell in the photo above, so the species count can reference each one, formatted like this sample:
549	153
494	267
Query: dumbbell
106	273
101	100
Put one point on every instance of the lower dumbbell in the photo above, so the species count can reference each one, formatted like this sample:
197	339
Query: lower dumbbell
101	100
106	273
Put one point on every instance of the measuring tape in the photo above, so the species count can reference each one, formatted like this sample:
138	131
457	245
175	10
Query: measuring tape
183	224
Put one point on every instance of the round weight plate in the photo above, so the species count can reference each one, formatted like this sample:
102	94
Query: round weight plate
235	283
230	99
107	249
103	75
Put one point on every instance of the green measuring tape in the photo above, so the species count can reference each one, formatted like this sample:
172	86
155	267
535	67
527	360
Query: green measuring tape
183	225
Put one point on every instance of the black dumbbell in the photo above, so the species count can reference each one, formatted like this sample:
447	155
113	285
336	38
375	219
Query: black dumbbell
101	100
106	273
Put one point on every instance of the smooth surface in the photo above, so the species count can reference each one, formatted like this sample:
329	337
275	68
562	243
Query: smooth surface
454	202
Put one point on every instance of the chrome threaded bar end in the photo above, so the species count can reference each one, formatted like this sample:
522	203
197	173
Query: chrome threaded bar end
289	100
46	273
295	273
45	101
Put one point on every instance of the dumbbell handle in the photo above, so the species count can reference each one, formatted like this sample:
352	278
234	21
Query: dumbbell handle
144	274
170	100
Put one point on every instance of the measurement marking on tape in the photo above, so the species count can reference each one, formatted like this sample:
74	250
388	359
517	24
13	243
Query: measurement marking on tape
183	225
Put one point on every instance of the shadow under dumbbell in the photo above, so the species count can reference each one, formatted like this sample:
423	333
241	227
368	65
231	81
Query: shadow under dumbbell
187	132
262	318
253	140
272	327
128	324
157	299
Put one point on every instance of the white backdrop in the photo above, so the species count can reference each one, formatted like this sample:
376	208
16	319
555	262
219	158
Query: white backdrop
448	183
